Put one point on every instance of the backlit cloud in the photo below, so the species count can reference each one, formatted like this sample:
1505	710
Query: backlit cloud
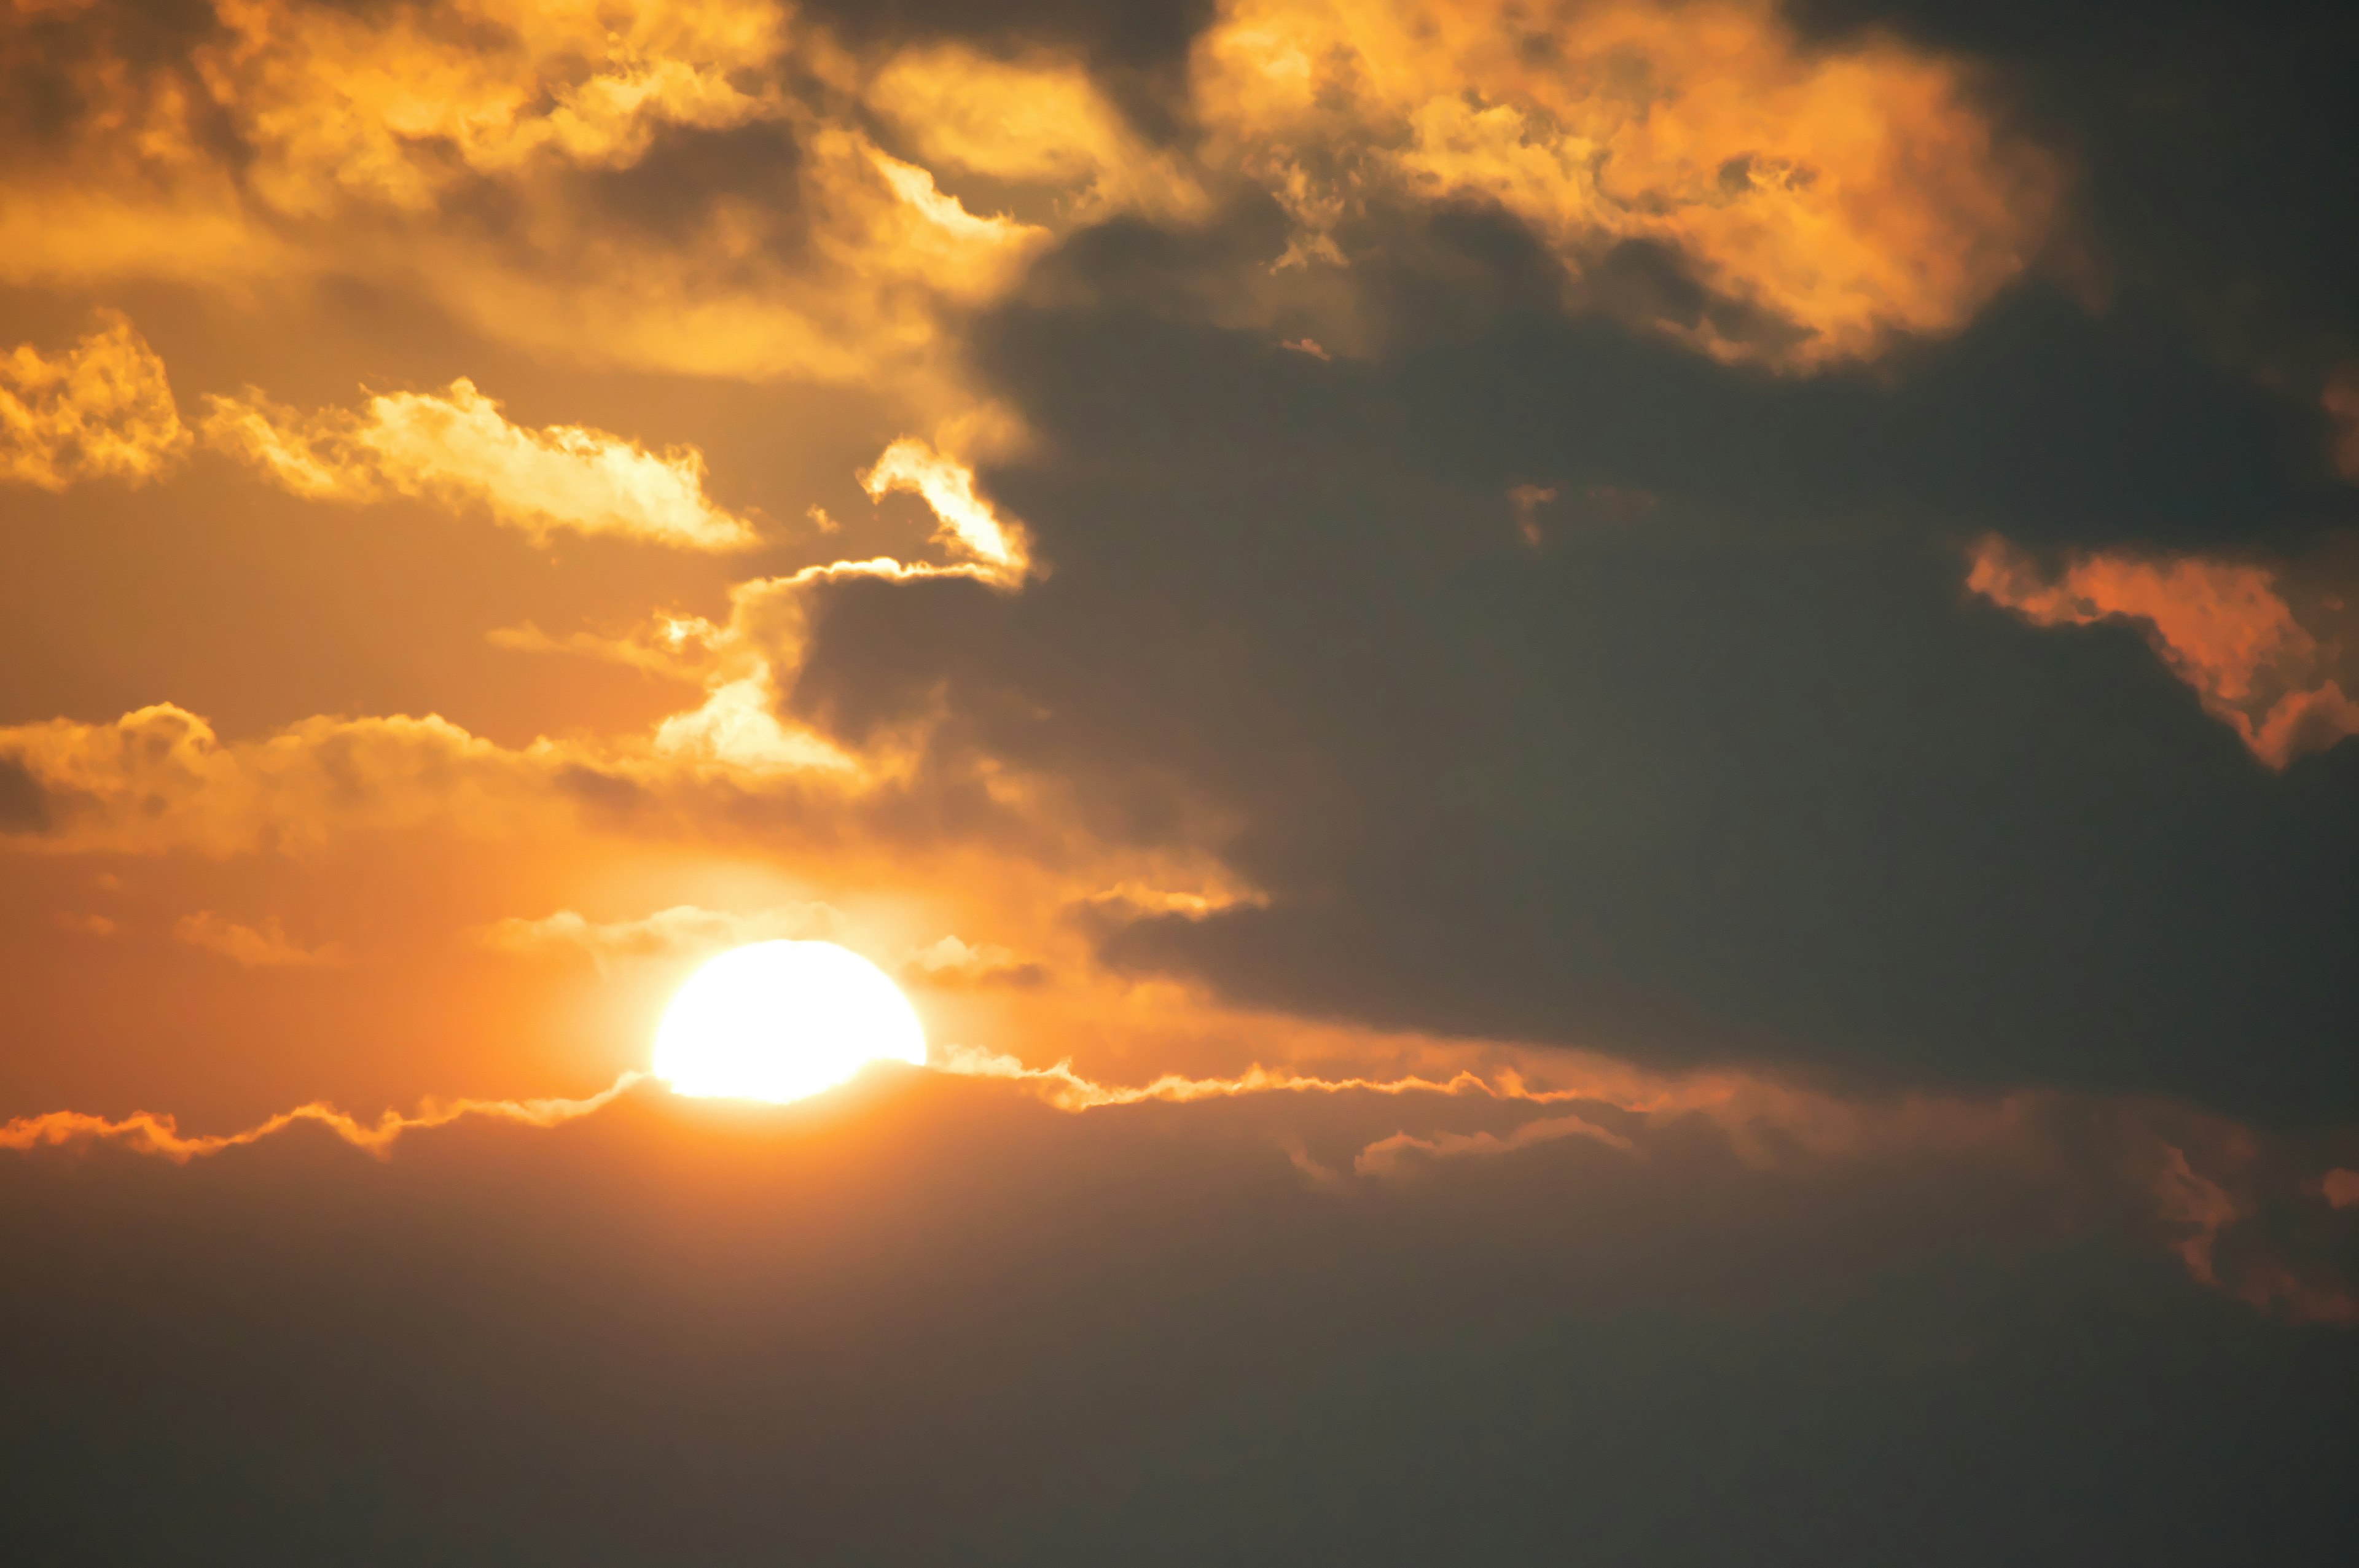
2221	627
956	964
147	1132
970	524
102	408
457	448
684	928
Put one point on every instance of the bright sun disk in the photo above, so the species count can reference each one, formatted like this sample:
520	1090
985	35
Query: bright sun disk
776	1021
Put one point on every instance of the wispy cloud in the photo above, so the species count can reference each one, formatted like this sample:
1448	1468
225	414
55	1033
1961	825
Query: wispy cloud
266	945
684	928
455	446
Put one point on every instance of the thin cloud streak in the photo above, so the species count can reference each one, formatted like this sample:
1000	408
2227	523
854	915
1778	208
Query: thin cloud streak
148	1132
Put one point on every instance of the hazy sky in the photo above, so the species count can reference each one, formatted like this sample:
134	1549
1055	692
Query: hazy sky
1609	741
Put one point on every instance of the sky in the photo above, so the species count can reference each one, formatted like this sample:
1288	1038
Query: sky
1609	742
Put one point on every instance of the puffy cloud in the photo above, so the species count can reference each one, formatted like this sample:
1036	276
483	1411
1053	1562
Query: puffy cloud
1848	195
684	928
262	946
457	448
2221	627
103	408
397	105
160	779
292	140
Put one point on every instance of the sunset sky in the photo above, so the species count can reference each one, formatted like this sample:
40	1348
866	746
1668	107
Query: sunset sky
1610	744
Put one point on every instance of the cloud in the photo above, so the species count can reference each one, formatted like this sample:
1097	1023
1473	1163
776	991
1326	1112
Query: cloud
2221	626
457	448
159	779
1040	120
682	929
1849	194
969	525
147	1132
521	169
98	925
103	408
1525	500
1388	1156
954	964
262	946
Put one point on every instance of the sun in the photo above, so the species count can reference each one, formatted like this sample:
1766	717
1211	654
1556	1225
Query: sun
776	1021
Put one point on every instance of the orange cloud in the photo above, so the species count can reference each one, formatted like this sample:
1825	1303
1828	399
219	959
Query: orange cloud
103	408
1854	194
1038	121
2221	626
264	947
159	779
302	139
146	1132
455	446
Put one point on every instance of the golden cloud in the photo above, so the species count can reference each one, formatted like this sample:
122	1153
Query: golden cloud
159	779
301	139
1000	547
457	448
1855	194
2221	626
103	408
1040	121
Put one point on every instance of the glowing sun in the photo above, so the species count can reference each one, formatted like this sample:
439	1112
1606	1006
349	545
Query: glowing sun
777	1021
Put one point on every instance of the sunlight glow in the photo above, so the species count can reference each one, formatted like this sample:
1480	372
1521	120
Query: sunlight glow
777	1021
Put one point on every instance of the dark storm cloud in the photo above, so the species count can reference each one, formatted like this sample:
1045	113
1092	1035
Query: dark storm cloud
1731	767
948	1326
